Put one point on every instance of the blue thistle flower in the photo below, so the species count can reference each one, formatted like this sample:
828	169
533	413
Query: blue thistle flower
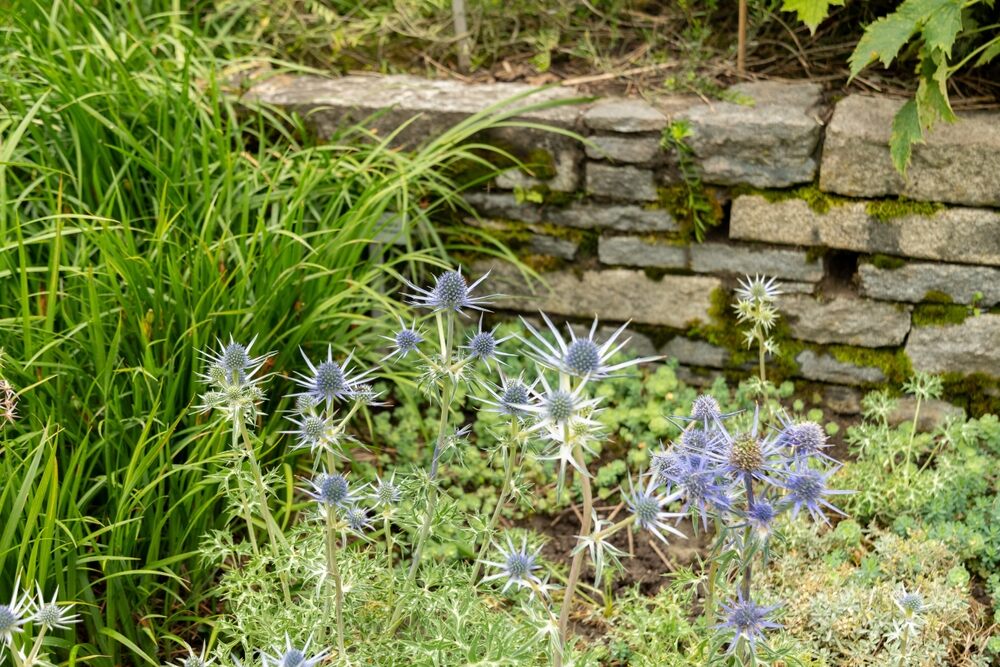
232	363
12	615
291	656
386	492
510	398
330	381
357	519
699	485
406	340
517	566
759	288
311	431
331	491
451	292
706	409
748	453
579	357
483	345
761	517
807	488
805	439
558	406
746	620
646	504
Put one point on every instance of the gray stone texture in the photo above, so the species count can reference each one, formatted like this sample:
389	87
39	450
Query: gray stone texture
617	148
623	217
433	105
553	245
913	281
933	413
822	367
958	162
842	400
970	347
770	142
635	251
624	115
695	353
566	162
613	294
965	235
621	183
846	319
781	263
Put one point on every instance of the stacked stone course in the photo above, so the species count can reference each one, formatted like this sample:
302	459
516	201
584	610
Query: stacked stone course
882	274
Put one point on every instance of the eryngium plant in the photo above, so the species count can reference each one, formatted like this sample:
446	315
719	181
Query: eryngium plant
26	620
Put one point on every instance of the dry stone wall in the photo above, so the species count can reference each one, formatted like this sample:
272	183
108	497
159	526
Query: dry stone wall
882	274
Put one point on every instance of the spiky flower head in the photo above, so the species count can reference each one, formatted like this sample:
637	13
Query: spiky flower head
698	481
331	491
13	615
558	406
510	398
407	339
806	439
233	388
517	566
579	357
329	381
451	292
759	288
760	517
312	431
292	656
8	401
706	409
193	659
910	603
646	505
357	519
51	615
807	488
365	394
483	344
386	492
746	621
603	554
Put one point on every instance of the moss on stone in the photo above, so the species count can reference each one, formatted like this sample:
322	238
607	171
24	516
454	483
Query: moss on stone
895	364
978	393
885	210
937	296
938	314
816	253
818	201
887	262
689	204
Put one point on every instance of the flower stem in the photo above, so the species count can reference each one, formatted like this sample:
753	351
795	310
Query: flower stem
386	528
333	573
509	456
913	435
577	564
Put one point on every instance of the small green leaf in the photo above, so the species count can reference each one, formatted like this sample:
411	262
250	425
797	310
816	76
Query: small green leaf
989	53
942	26
905	132
810	12
884	38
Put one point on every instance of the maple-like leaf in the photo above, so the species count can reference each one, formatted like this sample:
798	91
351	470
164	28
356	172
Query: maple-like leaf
906	131
810	12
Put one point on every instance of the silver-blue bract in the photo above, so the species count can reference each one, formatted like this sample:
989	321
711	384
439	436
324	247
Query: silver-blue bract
291	656
13	615
51	615
647	504
807	489
451	292
517	566
747	621
329	381
331	491
406	340
580	357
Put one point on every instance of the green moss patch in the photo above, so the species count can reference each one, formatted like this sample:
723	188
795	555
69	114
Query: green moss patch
885	210
818	201
887	262
939	314
893	363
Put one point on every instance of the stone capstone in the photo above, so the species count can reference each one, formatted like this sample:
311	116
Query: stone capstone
769	142
970	347
822	367
846	320
611	294
624	115
957	162
913	281
964	235
621	183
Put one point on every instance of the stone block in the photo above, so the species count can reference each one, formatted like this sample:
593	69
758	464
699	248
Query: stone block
582	215
846	320
963	235
957	162
782	263
624	115
565	179
913	281
933	413
770	143
626	149
970	347
822	367
634	251
621	183
612	294
695	352
543	244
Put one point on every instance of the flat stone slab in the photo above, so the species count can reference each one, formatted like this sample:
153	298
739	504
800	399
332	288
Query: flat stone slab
782	263
695	353
846	320
618	217
617	148
913	281
964	235
611	294
822	367
624	115
770	142
543	244
957	163
635	251
565	179
433	105
933	413
970	347
622	183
